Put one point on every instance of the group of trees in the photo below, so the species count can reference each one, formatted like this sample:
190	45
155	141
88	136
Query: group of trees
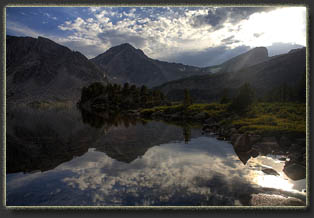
288	93
117	97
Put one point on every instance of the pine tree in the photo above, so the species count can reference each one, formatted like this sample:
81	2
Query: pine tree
187	99
244	99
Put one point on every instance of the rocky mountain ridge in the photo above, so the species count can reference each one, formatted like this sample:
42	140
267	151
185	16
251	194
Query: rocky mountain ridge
124	63
287	69
40	69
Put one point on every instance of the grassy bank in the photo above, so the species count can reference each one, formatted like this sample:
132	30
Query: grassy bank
260	118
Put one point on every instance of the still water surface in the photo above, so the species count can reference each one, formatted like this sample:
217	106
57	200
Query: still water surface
68	158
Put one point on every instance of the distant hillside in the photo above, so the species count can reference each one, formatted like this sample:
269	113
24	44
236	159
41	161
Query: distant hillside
250	58
40	69
287	68
124	63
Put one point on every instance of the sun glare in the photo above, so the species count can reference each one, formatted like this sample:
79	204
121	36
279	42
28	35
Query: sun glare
270	181
285	25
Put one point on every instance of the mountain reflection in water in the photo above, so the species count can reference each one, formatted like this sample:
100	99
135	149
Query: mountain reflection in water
117	160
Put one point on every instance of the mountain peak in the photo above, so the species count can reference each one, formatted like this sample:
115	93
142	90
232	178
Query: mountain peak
126	47
122	47
249	58
260	50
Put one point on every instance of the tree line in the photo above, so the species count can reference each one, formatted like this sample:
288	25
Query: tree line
117	97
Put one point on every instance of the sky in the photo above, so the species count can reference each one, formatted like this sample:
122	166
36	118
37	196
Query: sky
198	36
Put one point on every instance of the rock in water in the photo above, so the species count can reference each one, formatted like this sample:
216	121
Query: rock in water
270	171
295	171
242	143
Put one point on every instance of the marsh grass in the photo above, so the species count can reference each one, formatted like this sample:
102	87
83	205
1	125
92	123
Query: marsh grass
261	118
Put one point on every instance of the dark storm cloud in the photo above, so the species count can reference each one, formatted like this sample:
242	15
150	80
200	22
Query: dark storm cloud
281	48
229	40
208	57
217	17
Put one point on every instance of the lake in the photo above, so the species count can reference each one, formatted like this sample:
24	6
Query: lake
65	157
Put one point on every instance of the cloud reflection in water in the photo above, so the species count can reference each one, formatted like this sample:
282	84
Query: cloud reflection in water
203	172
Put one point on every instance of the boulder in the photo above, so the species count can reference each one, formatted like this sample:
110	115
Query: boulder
295	171
242	143
243	156
234	137
270	171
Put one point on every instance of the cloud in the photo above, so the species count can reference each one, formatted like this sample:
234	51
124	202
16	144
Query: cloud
170	33
115	37
50	16
165	33
216	17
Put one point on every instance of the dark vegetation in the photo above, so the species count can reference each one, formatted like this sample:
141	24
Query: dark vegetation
114	97
280	111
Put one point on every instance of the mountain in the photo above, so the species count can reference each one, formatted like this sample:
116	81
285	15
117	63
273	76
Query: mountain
254	56
40	69
286	69
124	63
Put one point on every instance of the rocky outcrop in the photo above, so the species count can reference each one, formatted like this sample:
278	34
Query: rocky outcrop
248	146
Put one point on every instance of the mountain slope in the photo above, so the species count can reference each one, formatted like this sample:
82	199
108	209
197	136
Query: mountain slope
254	56
287	68
40	69
124	63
